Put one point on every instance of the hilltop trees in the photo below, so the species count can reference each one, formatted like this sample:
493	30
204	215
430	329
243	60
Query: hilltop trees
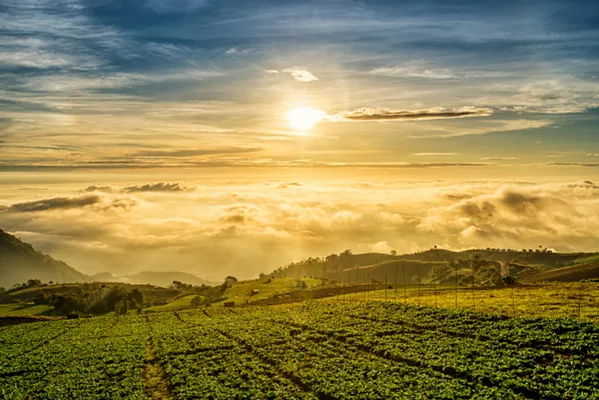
97	300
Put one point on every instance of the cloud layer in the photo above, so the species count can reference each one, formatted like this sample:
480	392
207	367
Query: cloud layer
248	228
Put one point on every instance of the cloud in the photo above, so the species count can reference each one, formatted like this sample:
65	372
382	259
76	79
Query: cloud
301	75
156	187
381	247
384	114
194	152
237	50
270	71
497	158
482	128
54	203
416	69
287	185
242	229
66	203
552	215
435	154
94	188
573	164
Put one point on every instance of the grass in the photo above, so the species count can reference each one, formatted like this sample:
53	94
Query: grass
241	292
179	304
550	300
24	310
587	260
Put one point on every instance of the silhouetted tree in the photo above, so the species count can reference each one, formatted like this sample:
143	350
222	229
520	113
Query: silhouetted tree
34	283
136	299
40	299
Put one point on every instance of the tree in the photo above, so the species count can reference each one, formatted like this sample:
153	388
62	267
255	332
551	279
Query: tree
68	304
34	283
121	308
230	279
2	290
393	252
196	301
40	299
136	298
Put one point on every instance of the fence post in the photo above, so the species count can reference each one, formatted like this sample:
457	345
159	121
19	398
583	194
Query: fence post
419	280
349	286
368	286
456	285
472	286
513	302
405	293
396	273
580	301
385	288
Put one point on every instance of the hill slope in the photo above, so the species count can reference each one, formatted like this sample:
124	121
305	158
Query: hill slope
164	278
393	267
19	261
568	274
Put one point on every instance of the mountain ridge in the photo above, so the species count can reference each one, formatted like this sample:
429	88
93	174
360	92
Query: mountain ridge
20	262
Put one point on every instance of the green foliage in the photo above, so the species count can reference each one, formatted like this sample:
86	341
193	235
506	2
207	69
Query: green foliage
318	350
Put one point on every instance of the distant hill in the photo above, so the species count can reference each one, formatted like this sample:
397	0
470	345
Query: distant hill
19	262
164	278
377	266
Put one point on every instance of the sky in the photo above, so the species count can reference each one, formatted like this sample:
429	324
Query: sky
221	137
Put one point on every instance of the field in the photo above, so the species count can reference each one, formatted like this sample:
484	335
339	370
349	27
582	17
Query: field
314	350
25	310
548	300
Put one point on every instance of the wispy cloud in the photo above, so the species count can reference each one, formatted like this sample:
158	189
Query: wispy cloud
383	114
415	70
237	50
194	152
301	75
65	203
156	187
491	126
435	154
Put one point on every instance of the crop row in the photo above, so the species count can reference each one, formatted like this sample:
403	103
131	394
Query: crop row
504	364
91	359
330	370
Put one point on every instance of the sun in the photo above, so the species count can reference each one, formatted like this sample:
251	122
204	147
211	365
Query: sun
303	119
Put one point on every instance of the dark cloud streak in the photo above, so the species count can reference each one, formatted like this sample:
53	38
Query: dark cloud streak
383	114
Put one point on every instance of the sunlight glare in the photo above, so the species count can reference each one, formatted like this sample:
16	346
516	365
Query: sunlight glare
303	119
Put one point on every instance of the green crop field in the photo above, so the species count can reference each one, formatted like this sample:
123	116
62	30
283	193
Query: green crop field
24	310
315	350
549	300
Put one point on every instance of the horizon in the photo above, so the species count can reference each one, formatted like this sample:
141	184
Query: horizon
202	137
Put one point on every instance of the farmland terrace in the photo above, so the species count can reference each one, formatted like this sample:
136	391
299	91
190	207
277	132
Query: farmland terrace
312	350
